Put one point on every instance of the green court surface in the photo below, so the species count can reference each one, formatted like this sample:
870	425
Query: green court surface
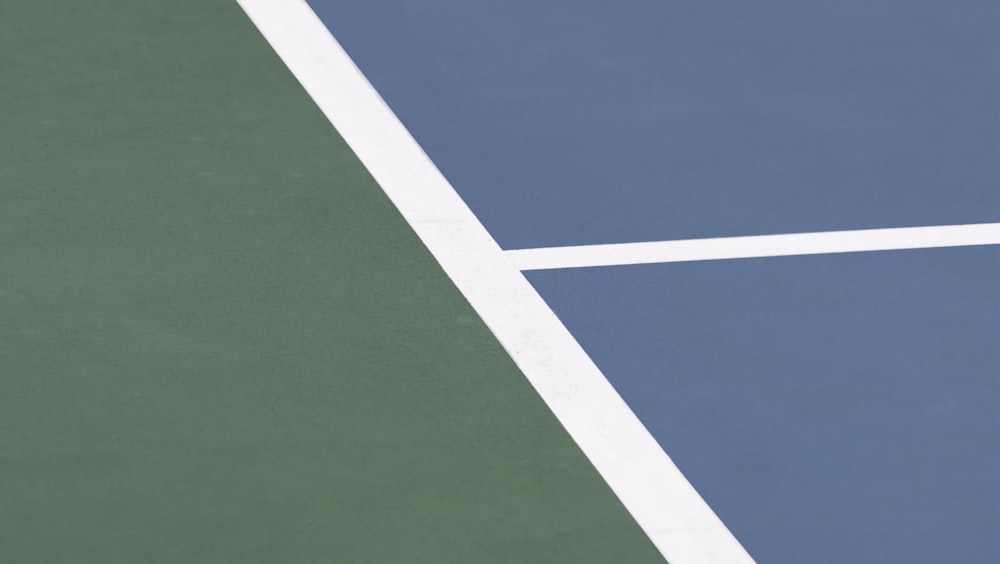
219	342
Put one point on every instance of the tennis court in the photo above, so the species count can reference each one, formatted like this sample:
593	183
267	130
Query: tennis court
327	281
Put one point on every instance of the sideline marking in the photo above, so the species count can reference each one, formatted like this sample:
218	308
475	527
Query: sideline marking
756	246
660	499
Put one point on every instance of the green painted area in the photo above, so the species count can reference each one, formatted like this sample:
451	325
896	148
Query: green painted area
218	340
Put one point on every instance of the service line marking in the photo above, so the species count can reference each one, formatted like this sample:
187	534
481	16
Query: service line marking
663	503
756	246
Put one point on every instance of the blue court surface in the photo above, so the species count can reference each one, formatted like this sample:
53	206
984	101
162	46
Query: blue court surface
564	123
829	407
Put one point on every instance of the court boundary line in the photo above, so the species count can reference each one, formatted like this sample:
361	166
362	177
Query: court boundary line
647	482
756	246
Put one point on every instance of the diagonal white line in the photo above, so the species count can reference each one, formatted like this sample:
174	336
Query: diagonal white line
756	246
647	482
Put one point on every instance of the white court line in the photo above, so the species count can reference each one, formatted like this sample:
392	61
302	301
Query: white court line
664	504
757	246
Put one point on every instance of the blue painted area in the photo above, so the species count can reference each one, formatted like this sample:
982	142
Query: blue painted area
831	409
590	121
839	408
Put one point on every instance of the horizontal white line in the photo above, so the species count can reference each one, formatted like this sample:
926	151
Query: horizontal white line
757	246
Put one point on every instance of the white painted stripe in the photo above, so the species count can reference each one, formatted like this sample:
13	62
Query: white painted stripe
648	483
757	246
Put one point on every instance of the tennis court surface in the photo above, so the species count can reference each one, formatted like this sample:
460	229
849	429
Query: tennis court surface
583	282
